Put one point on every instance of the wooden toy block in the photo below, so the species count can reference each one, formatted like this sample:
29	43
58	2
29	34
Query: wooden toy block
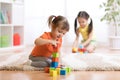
68	69
83	49
55	55
58	71
46	69
55	59
80	50
74	50
51	70
81	46
54	73
63	72
54	64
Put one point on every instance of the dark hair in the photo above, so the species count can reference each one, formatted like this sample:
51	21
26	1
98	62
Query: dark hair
55	21
85	15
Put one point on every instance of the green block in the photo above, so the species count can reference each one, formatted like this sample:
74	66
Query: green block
5	41
52	68
55	55
68	69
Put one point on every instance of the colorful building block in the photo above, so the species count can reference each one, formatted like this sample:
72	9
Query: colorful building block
54	73
55	55
81	46
54	69
55	59
68	69
54	64
51	69
74	50
82	50
58	71
46	69
63	72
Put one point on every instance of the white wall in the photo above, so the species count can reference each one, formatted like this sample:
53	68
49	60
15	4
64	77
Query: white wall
36	14
74	6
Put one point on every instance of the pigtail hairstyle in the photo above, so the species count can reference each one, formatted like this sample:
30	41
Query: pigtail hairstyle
90	26
84	14
50	19
75	27
58	21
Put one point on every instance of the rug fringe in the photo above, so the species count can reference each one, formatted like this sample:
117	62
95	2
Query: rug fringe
20	68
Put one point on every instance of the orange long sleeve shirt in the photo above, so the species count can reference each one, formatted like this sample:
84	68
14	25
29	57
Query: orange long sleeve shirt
46	50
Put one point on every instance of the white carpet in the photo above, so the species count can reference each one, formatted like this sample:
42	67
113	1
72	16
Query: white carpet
13	59
92	62
84	62
15	62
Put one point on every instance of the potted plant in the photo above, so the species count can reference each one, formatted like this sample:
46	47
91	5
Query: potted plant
112	17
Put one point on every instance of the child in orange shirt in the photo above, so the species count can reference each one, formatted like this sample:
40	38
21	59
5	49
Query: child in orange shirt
49	42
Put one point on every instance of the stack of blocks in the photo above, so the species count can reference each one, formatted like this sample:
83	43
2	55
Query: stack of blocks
80	50
54	69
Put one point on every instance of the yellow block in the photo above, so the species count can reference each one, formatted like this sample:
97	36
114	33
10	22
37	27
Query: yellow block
74	50
81	52
54	73
58	71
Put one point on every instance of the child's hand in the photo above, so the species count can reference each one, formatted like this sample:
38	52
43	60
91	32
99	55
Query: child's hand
54	42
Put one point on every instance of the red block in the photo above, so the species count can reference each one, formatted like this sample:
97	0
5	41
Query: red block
84	49
16	39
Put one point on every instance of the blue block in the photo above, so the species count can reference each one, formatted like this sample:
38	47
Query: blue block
54	64
63	72
81	46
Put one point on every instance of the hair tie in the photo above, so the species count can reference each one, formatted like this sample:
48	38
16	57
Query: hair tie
89	20
53	18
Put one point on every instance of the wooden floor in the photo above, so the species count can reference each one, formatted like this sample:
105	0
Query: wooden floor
74	75
39	75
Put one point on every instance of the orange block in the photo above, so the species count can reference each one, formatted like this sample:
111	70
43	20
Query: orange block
80	50
46	69
55	59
